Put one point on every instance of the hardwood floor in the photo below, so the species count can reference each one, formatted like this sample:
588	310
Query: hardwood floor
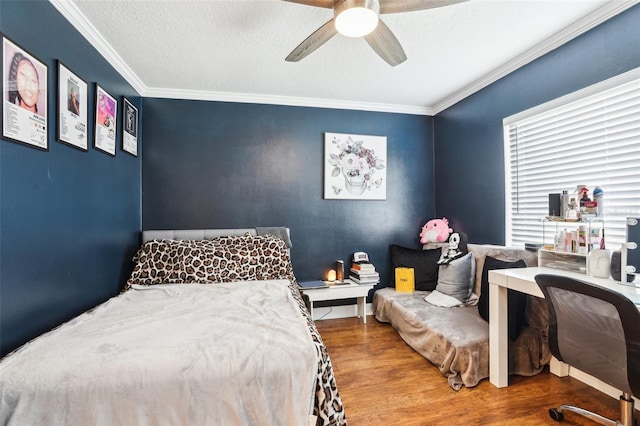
382	381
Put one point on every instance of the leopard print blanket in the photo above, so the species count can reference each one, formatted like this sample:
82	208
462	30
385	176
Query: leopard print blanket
238	258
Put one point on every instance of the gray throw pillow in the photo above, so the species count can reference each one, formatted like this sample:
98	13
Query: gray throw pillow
456	279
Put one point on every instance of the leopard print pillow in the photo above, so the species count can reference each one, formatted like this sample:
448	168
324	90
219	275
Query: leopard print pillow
155	263
247	257
223	259
197	265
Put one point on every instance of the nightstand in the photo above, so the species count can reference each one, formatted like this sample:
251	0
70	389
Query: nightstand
340	291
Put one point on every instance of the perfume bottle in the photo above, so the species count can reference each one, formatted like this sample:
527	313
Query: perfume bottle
572	211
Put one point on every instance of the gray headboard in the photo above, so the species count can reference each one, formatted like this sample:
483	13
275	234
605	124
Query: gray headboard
197	234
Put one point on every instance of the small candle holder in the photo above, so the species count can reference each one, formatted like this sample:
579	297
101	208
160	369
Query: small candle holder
331	275
339	270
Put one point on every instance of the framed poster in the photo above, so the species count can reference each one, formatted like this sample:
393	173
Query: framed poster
72	106
355	167
129	127
24	97
105	125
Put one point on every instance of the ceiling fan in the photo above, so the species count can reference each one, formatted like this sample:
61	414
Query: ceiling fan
359	18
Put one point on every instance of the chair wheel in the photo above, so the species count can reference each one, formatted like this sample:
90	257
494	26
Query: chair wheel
556	415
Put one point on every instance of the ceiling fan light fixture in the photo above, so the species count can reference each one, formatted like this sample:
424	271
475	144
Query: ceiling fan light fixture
356	18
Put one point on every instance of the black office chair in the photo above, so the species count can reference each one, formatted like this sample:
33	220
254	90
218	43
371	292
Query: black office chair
597	331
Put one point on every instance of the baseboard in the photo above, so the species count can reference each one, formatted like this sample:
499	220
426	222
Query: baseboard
342	311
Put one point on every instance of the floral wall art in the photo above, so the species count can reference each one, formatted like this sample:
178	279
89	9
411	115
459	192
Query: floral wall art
355	167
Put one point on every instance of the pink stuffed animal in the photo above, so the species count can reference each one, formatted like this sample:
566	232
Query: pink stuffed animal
435	231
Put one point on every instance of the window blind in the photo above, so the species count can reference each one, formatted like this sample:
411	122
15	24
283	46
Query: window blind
590	138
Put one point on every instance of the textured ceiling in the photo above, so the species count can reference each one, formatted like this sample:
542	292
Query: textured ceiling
234	50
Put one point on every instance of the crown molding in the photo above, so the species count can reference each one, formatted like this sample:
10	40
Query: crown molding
581	26
69	10
285	100
89	32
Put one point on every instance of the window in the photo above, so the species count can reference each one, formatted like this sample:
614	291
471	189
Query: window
590	137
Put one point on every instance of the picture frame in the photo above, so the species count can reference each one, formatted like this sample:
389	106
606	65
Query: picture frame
106	122
355	167
129	127
24	96
72	107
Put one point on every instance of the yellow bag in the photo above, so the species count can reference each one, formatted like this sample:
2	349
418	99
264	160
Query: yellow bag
405	280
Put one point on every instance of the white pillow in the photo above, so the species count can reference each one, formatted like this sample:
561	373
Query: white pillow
456	279
439	299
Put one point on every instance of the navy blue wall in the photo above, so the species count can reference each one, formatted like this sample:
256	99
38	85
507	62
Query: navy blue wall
219	165
469	136
70	219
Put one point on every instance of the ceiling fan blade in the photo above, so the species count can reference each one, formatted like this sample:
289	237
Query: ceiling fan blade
397	6
318	3
386	45
314	41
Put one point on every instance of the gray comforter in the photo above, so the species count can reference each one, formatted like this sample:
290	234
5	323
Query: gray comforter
235	353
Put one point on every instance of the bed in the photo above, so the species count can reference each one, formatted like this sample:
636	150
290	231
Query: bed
210	329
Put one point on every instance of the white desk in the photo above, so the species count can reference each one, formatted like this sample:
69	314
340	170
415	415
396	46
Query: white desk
341	291
523	280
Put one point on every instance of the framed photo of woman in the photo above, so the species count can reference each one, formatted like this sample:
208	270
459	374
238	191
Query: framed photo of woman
72	108
24	97
129	128
105	125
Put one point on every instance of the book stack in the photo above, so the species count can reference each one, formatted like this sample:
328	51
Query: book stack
363	273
